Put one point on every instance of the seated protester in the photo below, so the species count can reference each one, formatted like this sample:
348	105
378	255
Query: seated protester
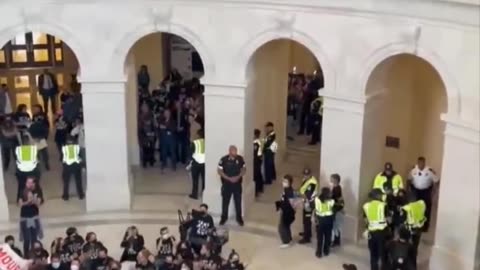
38	254
72	245
132	244
168	264
75	264
102	261
114	265
145	260
10	240
201	226
40	117
91	248
233	262
187	265
56	263
57	246
165	245
400	253
184	251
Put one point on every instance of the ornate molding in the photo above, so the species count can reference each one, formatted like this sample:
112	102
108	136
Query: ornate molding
459	129
161	17
284	21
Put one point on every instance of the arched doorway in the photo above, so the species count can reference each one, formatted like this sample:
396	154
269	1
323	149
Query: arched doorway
159	153
38	72
283	79
405	99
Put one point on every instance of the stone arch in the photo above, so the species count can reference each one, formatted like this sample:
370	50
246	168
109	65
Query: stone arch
389	50
252	45
48	28
131	37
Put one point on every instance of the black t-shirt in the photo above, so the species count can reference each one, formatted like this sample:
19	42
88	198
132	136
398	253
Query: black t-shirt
92	249
165	246
73	245
31	210
231	166
201	225
100	263
132	246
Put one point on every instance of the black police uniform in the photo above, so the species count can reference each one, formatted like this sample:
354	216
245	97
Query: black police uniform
269	159
231	166
257	167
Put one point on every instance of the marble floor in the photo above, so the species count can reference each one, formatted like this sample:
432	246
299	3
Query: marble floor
156	200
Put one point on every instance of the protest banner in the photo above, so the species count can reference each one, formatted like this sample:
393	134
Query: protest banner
9	260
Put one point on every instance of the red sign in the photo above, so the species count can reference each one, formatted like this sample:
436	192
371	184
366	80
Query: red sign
9	260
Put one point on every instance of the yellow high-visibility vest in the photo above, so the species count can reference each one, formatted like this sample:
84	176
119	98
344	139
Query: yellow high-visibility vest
380	180
26	157
415	214
375	213
199	153
324	209
71	154
308	182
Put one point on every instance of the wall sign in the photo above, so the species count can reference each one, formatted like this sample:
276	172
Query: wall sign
392	142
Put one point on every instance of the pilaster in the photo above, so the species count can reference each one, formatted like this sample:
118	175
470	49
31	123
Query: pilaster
342	152
458	219
108	170
4	211
225	126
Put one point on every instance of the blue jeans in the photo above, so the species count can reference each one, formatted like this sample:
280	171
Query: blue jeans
168	149
29	234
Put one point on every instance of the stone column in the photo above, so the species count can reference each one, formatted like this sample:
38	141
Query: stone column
4	213
342	153
108	171
225	126
131	96
458	219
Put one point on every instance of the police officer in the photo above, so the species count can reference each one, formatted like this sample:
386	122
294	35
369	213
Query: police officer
389	176
307	191
231	169
316	111
198	163
71	166
422	182
27	161
375	212
324	214
257	163
414	218
269	149
400	252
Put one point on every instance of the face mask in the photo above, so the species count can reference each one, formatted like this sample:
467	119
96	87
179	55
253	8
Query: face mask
74	267
285	185
55	265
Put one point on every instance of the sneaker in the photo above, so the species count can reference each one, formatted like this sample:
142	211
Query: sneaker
193	197
285	246
223	221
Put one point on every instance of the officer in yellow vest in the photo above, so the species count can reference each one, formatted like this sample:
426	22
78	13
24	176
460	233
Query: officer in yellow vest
308	191
414	219
257	163
324	214
72	165
375	213
390	178
27	163
198	163
316	112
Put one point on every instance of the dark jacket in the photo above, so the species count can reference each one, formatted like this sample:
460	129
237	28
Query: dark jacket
48	92
288	212
131	247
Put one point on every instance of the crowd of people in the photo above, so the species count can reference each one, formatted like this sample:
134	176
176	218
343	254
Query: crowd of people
199	247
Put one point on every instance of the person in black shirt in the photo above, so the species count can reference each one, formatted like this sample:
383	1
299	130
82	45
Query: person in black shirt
10	240
21	118
72	244
201	227
30	226
167	135
56	263
10	139
132	244
145	261
182	116
39	130
336	191
165	245
287	211
184	251
257	163
102	262
400	253
38	254
91	248
61	132
146	135
231	169
269	150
